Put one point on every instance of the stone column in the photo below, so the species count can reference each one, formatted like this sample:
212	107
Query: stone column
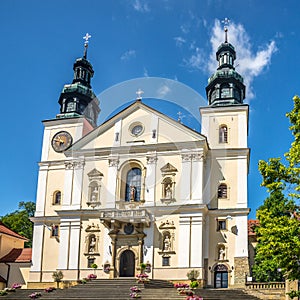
64	235
41	191
150	181
112	273
77	184
113	162
197	177
196	242
37	250
184	240
67	194
185	177
75	244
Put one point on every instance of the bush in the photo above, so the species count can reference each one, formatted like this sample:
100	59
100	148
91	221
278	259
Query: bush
194	284
193	275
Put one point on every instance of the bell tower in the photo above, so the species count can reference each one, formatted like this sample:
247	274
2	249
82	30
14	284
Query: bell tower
225	86
78	99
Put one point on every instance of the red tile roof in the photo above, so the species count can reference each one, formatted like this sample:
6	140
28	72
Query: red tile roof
6	230
17	255
251	226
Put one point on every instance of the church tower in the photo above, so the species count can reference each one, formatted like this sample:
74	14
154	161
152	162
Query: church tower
78	99
225	124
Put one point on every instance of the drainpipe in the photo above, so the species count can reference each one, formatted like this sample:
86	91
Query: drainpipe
8	271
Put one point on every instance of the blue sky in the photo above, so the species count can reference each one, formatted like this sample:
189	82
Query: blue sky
132	41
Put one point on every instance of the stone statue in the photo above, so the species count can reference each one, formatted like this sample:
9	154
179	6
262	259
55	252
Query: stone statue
92	245
132	193
168	192
221	253
94	195
167	243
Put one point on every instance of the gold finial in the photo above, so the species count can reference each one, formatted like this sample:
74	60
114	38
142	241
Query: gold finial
86	43
226	22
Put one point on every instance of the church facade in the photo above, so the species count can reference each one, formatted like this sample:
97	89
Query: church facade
144	188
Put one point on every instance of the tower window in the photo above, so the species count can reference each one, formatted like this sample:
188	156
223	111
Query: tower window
223	134
133	185
222	191
57	198
221	225
54	230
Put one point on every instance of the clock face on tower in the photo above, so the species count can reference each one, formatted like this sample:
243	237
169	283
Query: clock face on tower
61	141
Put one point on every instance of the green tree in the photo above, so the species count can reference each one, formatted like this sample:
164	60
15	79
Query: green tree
278	233
19	221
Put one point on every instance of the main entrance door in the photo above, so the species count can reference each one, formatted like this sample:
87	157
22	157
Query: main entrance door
221	276
127	264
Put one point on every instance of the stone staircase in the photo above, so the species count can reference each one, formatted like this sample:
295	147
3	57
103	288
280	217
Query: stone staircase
112	289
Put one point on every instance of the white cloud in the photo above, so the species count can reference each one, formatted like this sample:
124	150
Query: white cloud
196	60
249	63
128	55
140	6
179	41
146	73
163	91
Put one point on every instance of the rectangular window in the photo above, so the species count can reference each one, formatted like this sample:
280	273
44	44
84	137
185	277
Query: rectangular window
221	225
166	261
54	230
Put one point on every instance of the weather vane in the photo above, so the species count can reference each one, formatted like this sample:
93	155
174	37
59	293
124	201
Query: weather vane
139	93
226	22
86	43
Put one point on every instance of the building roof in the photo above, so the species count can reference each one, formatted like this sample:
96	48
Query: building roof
17	255
251	227
6	230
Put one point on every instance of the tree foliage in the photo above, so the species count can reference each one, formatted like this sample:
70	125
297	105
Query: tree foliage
278	233
19	221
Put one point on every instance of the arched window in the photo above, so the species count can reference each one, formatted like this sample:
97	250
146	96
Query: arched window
57	198
223	134
133	185
222	191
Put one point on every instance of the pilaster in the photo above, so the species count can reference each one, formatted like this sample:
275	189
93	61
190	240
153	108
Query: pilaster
185	184
197	176
41	191
113	163
184	242
150	179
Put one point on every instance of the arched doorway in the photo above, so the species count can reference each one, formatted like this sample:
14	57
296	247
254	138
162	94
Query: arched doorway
221	276
127	264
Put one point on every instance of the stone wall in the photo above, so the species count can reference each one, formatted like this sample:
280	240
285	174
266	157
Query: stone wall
241	268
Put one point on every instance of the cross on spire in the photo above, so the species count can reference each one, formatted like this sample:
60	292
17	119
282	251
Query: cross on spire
226	22
139	93
86	43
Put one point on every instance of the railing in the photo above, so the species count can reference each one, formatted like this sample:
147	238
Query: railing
265	285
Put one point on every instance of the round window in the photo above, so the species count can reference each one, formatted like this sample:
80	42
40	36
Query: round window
136	129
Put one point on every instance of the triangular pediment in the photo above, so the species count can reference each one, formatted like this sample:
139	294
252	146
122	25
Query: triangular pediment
138	125
168	168
95	173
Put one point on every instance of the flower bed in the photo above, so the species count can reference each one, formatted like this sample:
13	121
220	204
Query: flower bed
16	286
142	277
195	297
91	276
50	289
34	295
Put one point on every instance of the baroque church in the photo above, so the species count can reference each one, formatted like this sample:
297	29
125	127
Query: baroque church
144	188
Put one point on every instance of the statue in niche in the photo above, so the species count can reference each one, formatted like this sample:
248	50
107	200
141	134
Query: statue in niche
92	245
167	243
94	195
221	253
168	191
132	192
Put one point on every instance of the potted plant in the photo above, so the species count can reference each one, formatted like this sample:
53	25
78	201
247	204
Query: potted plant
58	276
143	267
94	266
